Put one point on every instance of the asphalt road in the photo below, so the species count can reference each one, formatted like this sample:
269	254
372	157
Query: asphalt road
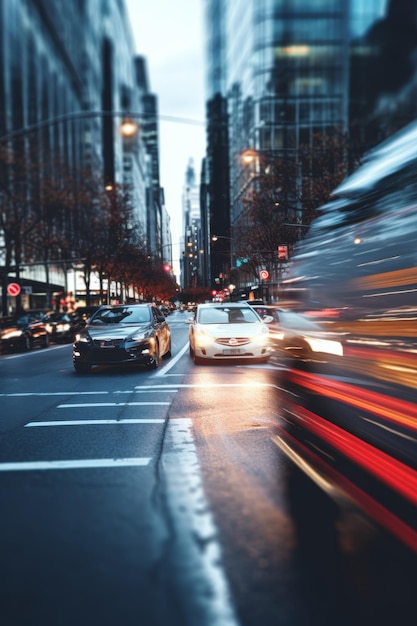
158	498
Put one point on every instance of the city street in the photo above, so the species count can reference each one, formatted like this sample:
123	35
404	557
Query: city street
158	498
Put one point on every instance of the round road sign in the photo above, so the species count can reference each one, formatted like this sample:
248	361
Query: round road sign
13	289
264	274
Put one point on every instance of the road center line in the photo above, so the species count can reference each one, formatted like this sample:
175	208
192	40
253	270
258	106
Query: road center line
94	422
79	464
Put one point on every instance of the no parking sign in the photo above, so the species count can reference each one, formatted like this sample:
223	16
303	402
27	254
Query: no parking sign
264	274
13	289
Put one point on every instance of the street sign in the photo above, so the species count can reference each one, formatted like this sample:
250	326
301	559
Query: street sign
283	253
264	274
13	289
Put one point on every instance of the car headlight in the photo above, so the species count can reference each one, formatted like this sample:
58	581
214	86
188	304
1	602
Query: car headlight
63	327
327	346
202	337
12	334
83	338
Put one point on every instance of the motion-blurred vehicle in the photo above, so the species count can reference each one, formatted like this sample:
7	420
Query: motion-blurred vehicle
228	331
349	415
22	333
136	334
259	306
296	334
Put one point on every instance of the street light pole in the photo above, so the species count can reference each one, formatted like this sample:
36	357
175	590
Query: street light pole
128	127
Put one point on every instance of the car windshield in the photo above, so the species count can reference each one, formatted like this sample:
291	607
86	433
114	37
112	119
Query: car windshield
226	315
122	315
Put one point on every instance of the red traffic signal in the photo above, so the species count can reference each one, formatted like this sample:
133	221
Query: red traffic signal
283	253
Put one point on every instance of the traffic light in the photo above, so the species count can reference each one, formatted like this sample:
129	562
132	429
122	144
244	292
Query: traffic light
283	253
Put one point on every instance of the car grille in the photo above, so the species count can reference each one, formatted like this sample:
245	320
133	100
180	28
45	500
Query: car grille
114	355
233	341
102	343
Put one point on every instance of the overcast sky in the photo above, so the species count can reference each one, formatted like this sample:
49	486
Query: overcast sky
169	33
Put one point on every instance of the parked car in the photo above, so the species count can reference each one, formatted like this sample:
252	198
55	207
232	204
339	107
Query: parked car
136	334
228	332
22	333
62	327
348	419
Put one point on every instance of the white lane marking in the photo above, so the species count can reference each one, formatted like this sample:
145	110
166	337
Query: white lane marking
175	386
20	355
168	388
154	389
197	549
163	371
79	464
90	422
53	393
23	394
102	404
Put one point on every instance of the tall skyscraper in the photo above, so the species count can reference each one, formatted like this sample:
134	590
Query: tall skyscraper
283	74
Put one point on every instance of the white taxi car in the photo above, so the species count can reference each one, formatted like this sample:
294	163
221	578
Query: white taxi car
230	331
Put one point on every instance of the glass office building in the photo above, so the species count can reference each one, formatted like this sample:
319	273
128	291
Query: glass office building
292	70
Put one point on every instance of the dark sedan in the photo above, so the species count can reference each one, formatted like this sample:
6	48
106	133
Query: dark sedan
62	327
22	333
121	335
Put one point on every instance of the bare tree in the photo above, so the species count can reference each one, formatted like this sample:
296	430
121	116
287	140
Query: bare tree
285	197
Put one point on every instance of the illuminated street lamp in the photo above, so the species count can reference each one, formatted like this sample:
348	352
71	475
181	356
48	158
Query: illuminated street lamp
248	156
214	238
129	128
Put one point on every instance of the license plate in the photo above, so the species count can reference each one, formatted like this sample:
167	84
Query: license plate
107	344
231	351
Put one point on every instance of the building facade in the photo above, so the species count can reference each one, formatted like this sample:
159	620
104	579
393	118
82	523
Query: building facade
69	77
193	253
286	74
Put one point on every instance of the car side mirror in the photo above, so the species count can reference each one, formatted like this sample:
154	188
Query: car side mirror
268	319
